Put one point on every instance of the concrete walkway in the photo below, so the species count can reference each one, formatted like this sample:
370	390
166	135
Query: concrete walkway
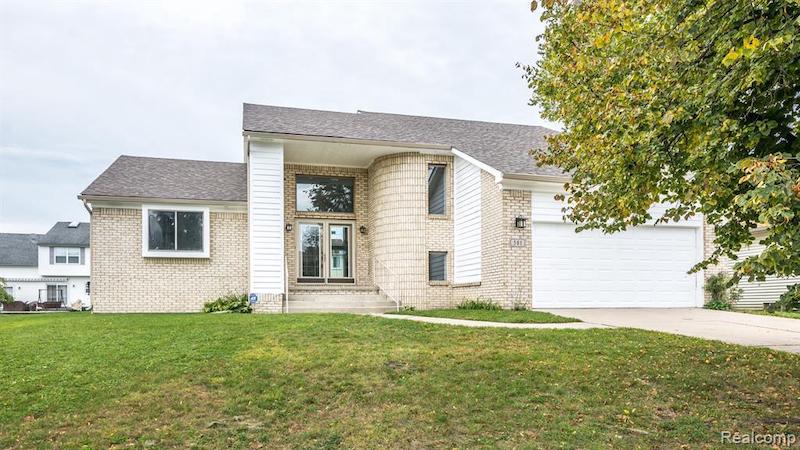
479	323
778	333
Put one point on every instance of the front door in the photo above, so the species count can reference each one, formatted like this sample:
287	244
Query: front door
325	252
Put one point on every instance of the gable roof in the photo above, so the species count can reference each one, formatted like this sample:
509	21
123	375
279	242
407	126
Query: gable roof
174	179
63	234
502	146
19	249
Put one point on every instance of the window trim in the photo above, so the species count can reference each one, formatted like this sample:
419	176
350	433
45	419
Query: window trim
147	253
444	189
66	256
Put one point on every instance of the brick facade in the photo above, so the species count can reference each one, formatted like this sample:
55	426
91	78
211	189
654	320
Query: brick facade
125	281
390	201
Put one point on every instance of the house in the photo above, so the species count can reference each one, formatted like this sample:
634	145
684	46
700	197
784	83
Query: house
335	211
51	267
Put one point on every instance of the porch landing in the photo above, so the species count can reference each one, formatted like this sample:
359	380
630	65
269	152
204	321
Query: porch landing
344	299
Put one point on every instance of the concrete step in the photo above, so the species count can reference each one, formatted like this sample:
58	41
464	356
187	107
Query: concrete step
341	309
335	299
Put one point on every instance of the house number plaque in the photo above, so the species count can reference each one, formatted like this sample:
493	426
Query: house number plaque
518	242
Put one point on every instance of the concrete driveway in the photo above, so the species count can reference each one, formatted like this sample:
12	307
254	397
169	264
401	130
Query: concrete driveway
736	328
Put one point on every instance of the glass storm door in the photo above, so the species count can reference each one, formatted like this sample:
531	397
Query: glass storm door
310	252
325	252
339	242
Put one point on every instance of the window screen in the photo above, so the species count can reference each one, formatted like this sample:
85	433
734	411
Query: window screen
436	189
437	266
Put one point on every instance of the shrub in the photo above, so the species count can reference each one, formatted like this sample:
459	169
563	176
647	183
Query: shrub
520	305
789	300
479	303
231	303
5	297
723	291
409	308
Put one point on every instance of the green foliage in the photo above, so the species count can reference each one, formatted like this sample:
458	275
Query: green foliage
479	303
408	308
790	300
520	305
723	291
232	302
691	103
5	297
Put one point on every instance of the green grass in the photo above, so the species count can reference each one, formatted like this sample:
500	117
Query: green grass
502	315
786	314
328	381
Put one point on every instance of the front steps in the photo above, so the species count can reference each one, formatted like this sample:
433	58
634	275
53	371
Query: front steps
344	300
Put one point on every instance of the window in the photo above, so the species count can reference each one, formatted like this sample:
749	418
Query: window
436	189
324	194
66	255
56	293
437	266
176	232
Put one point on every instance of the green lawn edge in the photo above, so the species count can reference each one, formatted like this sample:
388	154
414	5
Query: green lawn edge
502	316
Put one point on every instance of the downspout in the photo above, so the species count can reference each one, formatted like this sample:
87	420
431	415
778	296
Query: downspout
86	205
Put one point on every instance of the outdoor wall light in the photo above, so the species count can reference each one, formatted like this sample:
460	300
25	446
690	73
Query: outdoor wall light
519	222
362	229
289	227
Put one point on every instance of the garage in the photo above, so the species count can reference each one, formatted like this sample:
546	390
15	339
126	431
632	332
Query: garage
643	267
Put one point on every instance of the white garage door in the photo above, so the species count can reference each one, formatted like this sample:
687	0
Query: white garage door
642	267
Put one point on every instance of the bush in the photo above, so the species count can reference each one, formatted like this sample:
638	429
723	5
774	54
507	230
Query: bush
790	300
5	297
479	303
723	291
520	306
231	303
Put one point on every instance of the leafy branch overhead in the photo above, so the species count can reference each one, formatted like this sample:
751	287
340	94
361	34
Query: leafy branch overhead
691	103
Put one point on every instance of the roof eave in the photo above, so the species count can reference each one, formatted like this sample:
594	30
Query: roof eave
189	201
342	139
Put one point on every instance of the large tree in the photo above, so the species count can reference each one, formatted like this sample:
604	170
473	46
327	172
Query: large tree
692	103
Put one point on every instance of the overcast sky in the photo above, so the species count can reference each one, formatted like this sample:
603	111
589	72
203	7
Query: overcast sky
83	82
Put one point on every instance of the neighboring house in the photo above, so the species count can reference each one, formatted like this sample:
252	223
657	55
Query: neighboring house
329	207
51	267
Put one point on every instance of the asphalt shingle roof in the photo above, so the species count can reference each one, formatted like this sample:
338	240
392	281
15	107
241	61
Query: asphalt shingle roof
63	234
500	145
178	179
19	249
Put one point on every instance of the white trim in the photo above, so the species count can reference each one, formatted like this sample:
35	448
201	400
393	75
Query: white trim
147	253
498	176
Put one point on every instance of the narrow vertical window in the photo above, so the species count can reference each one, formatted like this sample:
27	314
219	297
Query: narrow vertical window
436	189
437	266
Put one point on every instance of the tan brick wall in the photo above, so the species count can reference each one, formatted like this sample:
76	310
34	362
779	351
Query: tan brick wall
439	237
397	228
125	281
359	215
517	273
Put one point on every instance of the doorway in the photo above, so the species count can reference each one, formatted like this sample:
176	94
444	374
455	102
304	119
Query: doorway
325	252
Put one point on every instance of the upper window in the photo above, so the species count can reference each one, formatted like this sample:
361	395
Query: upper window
324	194
175	232
436	189
62	255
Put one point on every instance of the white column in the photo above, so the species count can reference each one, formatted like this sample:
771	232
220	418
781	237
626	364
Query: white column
265	209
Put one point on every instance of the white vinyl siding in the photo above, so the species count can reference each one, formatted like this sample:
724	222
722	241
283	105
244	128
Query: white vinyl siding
467	223
756	293
265	183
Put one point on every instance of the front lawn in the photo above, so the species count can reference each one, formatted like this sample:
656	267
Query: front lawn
786	314
338	380
503	315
